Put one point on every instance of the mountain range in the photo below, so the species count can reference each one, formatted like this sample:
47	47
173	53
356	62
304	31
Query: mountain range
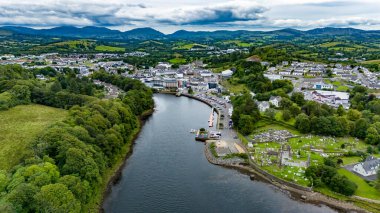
150	33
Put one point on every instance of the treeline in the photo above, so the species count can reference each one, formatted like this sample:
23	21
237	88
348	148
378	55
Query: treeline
71	158
327	175
137	96
361	121
246	112
19	86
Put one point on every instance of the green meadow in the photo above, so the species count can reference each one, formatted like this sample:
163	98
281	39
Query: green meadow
19	127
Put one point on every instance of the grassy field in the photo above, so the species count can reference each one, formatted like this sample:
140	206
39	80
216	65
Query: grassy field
238	43
19	126
372	62
235	88
105	48
183	46
342	88
177	61
364	190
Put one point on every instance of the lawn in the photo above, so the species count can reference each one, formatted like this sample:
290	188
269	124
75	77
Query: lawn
238	43
364	190
19	127
190	46
177	61
235	88
372	62
342	88
351	160
104	48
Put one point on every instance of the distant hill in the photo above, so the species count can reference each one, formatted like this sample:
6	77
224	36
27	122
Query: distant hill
143	34
149	33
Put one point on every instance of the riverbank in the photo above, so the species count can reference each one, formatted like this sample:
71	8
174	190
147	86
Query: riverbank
300	193
296	194
115	173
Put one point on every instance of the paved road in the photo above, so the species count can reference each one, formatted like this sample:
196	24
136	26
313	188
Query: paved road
228	135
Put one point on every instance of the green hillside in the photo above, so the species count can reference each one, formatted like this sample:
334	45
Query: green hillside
19	126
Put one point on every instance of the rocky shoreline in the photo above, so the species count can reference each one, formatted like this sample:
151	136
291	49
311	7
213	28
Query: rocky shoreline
296	194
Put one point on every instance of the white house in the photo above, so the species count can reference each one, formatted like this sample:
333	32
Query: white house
275	100
298	73
321	85
285	72
367	168
273	77
227	73
263	105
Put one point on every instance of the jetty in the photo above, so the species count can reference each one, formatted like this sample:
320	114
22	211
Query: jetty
202	135
211	119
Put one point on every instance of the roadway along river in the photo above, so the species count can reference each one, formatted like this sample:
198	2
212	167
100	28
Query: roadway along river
168	171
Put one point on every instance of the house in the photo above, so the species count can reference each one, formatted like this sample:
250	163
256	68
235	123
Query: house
170	83
227	73
298	73
331	98
367	168
275	100
285	72
263	105
273	77
321	85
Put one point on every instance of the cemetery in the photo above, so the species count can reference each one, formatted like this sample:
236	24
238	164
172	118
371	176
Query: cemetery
286	153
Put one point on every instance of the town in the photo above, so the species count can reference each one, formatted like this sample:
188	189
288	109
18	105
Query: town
278	150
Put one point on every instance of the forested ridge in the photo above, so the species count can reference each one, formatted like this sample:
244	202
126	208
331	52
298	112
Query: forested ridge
71	159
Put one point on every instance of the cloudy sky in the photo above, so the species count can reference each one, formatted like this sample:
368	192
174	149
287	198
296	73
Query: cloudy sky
168	15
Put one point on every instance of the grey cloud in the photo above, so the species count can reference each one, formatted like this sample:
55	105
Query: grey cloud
217	14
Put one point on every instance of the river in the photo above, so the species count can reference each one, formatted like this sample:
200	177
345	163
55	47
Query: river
168	171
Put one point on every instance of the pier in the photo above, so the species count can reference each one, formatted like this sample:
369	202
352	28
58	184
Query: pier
211	119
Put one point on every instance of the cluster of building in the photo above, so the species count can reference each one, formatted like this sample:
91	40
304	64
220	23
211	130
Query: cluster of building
193	75
273	101
85	64
358	74
228	51
331	98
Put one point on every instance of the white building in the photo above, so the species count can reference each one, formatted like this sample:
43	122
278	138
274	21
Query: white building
321	85
275	100
273	77
263	105
227	73
367	168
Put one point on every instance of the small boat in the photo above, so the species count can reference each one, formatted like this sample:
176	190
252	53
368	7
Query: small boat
193	131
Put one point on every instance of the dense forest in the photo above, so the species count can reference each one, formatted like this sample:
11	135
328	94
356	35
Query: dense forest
71	158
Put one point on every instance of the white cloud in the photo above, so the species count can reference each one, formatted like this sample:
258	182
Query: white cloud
192	14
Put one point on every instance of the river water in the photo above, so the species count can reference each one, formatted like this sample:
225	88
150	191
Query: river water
168	171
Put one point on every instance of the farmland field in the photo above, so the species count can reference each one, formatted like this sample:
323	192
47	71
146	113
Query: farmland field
104	48
19	127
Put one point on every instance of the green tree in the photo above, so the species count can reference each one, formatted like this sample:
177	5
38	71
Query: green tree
298	98
286	115
303	123
340	110
361	127
285	103
295	110
353	115
373	136
246	124
270	113
56	198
